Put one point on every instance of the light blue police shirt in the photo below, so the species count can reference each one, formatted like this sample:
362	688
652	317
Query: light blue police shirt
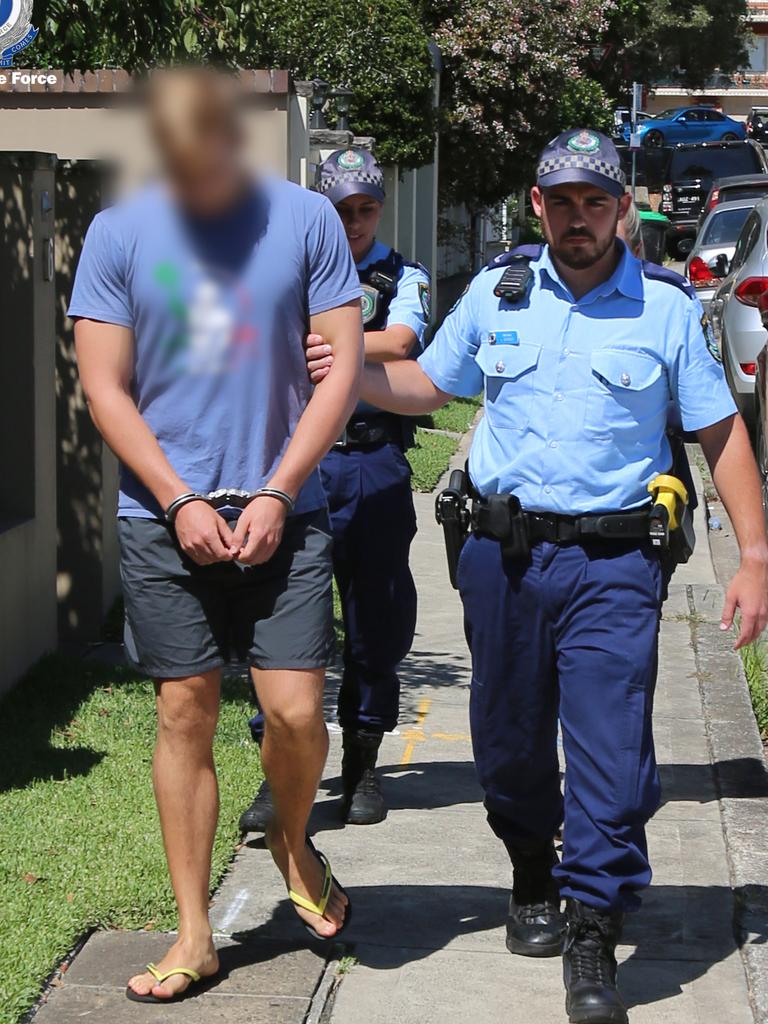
410	306
577	390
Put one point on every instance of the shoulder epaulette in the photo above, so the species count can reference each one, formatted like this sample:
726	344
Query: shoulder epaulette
657	273
529	252
415	265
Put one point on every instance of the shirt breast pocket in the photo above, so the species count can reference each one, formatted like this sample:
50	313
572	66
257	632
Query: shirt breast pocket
509	372
628	391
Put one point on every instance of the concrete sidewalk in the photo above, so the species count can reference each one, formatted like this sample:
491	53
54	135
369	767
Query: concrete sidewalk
430	885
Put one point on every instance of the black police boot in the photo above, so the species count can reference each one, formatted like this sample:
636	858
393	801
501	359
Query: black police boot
257	817
589	966
363	799
535	926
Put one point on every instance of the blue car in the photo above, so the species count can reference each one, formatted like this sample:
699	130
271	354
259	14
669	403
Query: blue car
687	124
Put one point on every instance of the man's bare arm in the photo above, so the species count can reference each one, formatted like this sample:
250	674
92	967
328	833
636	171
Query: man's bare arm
734	472
395	342
320	425
105	360
402	387
331	405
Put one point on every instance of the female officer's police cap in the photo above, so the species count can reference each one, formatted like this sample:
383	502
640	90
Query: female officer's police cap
350	172
581	156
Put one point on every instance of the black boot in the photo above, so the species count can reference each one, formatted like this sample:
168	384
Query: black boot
363	799
589	966
257	817
535	926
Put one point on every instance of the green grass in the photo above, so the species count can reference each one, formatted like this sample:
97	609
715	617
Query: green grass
432	453
755	658
80	843
457	416
429	458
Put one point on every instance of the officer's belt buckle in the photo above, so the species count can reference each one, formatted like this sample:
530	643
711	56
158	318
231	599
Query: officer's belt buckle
229	498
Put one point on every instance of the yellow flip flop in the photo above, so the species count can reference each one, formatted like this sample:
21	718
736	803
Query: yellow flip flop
160	977
319	908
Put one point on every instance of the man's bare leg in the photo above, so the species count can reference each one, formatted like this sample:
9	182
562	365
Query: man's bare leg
187	797
293	752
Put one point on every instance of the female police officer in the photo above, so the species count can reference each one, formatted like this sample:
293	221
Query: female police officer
579	347
368	483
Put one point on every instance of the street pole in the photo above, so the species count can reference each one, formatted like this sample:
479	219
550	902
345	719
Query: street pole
637	99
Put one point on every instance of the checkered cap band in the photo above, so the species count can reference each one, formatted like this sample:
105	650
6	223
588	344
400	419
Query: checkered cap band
581	161
327	182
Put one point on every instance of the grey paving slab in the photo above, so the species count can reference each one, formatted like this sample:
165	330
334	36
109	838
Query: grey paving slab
260	980
491	988
79	1005
265	968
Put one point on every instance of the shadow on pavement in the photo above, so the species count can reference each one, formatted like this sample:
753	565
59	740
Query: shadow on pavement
680	933
738	778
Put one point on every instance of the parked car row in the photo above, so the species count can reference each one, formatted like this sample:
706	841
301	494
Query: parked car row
692	173
728	267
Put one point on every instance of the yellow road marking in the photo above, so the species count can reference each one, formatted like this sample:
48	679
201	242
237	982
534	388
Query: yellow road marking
451	737
416	735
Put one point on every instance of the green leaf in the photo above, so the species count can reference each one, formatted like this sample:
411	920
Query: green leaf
190	40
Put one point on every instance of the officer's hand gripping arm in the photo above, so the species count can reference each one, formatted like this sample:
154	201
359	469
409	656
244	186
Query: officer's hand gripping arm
331	405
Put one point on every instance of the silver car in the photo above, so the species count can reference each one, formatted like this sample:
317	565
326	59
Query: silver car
709	260
734	313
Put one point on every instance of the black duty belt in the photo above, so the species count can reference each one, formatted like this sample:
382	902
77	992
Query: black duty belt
503	519
370	431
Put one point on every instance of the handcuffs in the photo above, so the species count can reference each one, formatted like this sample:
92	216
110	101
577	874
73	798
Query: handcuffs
226	498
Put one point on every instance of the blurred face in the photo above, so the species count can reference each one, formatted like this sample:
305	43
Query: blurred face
196	126
360	216
579	221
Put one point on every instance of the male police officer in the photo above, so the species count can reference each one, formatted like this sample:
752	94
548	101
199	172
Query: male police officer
368	483
580	347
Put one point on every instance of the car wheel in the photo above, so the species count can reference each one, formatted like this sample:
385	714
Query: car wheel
761	454
730	137
654	139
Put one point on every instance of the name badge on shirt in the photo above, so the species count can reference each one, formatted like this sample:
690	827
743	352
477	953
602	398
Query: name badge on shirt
503	338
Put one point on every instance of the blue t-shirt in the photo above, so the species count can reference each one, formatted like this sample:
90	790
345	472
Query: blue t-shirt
219	309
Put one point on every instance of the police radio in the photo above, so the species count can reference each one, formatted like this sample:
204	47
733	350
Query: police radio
515	281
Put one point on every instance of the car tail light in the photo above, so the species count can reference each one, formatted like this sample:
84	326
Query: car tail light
713	198
762	305
750	369
699	273
750	290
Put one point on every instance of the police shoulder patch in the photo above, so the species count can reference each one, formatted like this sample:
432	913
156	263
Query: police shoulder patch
425	298
709	338
654	272
370	302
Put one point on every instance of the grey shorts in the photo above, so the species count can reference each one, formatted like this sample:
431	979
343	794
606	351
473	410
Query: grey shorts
182	619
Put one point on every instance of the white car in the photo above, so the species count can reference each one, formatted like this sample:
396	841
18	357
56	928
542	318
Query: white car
710	258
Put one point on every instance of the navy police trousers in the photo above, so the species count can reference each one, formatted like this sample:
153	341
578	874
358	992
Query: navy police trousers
571	635
373	522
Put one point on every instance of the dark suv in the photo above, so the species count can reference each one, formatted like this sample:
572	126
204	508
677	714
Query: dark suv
757	125
690	171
